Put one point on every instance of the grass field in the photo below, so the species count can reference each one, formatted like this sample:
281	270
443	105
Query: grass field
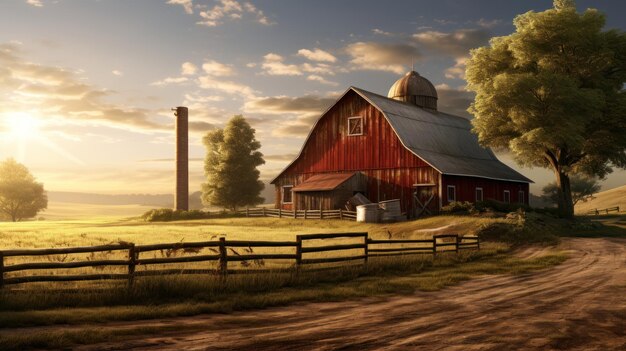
168	296
604	199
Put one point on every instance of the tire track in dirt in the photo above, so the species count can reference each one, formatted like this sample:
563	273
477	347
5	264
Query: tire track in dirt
578	305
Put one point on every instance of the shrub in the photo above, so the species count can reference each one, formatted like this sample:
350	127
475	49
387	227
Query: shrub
458	208
168	214
499	206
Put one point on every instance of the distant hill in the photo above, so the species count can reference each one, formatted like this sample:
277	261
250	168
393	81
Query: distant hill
609	198
157	200
154	200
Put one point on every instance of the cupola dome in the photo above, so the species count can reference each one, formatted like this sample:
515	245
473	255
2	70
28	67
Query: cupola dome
414	89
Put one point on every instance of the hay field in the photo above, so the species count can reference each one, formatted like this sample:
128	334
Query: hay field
608	198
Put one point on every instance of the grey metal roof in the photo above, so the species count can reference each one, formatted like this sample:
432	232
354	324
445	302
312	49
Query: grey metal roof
444	141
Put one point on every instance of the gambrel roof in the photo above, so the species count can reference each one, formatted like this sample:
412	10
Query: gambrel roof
444	141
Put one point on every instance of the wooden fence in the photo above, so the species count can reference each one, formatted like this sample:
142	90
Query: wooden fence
370	248
606	210
304	214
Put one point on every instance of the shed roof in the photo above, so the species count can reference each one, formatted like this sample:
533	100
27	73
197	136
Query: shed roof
442	140
323	182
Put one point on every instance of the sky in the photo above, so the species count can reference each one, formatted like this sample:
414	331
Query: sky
87	86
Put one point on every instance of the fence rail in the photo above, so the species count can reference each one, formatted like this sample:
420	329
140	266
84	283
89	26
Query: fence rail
303	214
304	246
606	210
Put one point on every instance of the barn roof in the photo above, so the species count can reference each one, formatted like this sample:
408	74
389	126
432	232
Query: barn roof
323	182
444	141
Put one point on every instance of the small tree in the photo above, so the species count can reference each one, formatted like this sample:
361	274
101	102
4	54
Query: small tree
582	188
231	166
552	94
20	195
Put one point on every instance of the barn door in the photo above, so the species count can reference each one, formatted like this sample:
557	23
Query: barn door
423	196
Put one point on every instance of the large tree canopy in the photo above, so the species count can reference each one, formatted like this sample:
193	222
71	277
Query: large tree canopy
552	93
20	195
231	166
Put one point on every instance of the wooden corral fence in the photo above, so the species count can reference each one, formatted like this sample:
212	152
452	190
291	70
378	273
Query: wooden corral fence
370	248
606	210
305	214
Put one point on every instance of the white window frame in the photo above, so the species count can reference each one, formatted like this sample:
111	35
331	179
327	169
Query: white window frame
453	187
360	118
504	197
482	195
521	197
282	194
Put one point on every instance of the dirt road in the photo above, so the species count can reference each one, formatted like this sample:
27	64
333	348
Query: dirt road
579	305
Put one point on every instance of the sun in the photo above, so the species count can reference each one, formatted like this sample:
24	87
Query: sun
23	126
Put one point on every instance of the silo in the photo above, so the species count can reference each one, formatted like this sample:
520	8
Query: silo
181	199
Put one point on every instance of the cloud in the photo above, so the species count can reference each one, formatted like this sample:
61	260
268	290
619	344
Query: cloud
56	93
186	4
211	83
117	73
284	104
320	79
36	3
297	113
317	55
381	32
382	56
170	80
454	101
188	69
273	65
217	69
458	70
456	43
231	9
488	23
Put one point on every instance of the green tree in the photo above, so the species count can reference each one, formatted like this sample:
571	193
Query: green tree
552	93
20	195
231	166
582	189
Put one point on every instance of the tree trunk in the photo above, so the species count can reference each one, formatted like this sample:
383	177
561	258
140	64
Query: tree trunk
566	205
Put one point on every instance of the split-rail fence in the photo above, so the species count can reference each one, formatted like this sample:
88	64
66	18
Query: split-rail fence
367	247
303	214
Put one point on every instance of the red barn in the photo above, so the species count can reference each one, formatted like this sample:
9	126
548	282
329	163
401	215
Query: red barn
395	147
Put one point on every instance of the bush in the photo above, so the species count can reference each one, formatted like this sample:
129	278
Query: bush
458	208
498	206
527	228
168	214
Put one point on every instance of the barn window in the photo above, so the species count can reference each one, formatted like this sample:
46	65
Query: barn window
355	126
520	197
507	196
479	194
287	194
451	193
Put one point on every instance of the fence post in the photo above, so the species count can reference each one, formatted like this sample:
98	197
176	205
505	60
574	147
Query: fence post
305	213
223	257
434	246
247	212
280	212
366	247
295	212
321	214
340	214
1	270
132	261
456	247
298	251
264	215
477	242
